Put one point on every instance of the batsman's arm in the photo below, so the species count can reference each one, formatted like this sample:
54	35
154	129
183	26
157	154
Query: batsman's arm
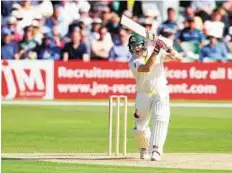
147	67
173	55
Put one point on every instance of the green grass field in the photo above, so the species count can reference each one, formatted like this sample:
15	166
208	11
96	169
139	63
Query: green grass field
21	166
84	129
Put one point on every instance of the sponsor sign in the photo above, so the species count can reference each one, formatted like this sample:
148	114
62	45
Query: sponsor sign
75	80
193	81
27	79
98	80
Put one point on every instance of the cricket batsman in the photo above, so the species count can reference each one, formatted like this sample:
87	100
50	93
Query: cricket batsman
152	95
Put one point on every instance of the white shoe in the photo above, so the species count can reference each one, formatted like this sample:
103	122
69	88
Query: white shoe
144	153
155	156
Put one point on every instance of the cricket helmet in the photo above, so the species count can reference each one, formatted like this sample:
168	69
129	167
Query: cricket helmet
135	39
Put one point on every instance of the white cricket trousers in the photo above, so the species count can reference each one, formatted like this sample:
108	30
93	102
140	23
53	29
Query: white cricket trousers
157	108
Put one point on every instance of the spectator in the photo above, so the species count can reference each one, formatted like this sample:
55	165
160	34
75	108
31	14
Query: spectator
171	21
147	23
27	45
189	13
56	37
228	40
27	11
120	52
151	15
6	8
75	49
203	8
19	18
85	18
38	35
215	50
190	33
12	24
86	41
8	47
48	50
107	15
96	25
44	8
59	20
101	47
215	22
170	34
41	23
69	12
114	27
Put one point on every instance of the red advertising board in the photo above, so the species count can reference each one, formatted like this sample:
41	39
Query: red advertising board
199	81
98	80
27	79
92	80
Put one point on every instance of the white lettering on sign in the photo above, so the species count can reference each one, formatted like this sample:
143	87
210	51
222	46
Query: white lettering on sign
219	73
192	89
95	72
176	73
32	80
197	74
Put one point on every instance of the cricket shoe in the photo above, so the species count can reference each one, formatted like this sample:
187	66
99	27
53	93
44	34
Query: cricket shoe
144	154
155	156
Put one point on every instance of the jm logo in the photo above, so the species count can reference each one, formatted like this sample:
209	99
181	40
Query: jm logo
21	79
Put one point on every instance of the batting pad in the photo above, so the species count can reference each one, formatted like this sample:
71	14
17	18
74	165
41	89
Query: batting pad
158	135
142	138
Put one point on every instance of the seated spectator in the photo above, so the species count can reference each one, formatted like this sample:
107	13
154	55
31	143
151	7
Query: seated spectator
69	11
27	45
8	47
215	50
38	35
12	24
27	11
96	25
190	33
203	8
58	19
170	34
86	41
147	23
215	22
152	16
120	52
171	21
75	50
228	40
114	27
85	18
189	13
56	37
101	47
48	50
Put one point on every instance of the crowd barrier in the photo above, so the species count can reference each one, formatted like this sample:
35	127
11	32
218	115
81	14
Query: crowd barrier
98	80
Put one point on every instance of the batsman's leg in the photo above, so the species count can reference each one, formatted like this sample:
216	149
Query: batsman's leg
142	130
160	120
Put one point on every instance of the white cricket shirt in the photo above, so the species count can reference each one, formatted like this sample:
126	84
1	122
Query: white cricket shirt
152	82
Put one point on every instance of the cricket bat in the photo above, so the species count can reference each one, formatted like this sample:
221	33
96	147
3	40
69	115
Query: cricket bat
137	28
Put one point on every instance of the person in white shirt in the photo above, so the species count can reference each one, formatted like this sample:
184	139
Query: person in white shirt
152	95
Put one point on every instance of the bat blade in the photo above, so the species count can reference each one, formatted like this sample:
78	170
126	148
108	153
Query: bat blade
137	28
